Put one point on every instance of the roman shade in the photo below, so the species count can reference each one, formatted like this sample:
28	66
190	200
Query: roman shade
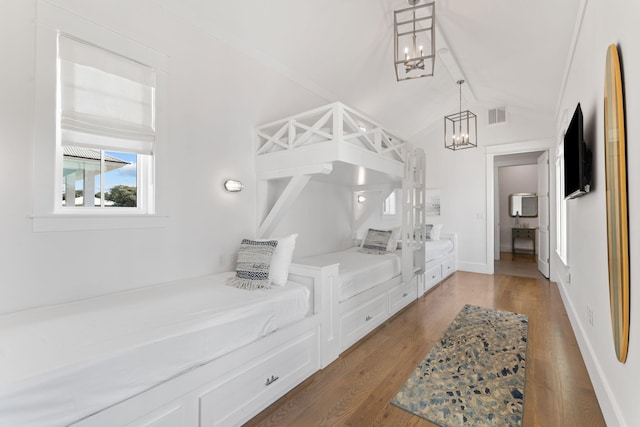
106	100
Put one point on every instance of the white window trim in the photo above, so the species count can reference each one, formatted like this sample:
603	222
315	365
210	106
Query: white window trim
389	216
561	209
47	214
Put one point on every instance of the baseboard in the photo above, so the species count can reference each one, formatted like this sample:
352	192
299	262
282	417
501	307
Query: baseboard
473	267
608	405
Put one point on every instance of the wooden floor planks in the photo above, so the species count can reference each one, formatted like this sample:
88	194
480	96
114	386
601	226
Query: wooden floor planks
356	389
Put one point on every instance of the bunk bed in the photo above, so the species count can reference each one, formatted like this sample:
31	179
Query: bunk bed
336	143
441	257
191	353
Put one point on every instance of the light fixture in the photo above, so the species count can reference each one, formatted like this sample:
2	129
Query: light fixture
415	42
361	198
233	186
461	128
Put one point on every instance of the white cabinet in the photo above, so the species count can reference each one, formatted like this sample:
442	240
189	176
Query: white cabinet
401	296
433	276
363	319
227	391
258	384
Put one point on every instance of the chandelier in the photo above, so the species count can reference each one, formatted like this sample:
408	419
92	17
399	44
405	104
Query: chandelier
461	128
414	34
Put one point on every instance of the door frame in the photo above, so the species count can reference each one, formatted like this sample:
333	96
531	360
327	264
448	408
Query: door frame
493	151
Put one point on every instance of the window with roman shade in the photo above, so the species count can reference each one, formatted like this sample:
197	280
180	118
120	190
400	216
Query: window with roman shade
100	126
106	124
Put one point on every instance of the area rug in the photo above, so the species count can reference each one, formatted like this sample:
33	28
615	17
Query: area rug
475	375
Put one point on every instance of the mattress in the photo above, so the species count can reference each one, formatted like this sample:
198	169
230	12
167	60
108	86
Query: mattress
358	271
62	363
438	248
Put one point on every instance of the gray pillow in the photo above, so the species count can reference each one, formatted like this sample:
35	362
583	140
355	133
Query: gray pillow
254	260
376	241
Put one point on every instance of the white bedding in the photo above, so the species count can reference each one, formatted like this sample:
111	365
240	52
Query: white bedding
438	248
358	271
62	363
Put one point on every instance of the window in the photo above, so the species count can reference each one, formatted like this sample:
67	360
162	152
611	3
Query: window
389	205
561	210
100	103
106	126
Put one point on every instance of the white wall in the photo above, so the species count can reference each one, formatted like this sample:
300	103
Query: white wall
217	95
321	215
605	22
515	179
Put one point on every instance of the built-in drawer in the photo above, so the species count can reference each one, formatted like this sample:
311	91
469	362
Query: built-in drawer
259	383
448	266
145	410
363	319
433	276
400	296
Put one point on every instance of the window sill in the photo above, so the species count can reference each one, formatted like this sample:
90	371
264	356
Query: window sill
74	222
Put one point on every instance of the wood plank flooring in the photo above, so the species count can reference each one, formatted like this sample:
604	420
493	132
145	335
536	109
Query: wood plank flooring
355	390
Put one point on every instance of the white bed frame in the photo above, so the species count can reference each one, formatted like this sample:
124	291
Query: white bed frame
231	389
438	269
346	322
320	142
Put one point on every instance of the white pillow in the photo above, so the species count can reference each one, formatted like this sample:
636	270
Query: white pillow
279	269
434	233
395	237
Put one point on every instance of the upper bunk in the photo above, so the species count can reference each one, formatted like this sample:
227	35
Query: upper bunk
335	143
330	140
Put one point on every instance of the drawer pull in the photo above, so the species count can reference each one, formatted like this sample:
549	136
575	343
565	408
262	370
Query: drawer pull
404	295
368	318
271	380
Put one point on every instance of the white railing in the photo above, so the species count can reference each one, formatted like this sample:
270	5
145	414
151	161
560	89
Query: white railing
331	123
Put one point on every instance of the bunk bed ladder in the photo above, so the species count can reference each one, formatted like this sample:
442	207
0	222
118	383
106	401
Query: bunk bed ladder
413	221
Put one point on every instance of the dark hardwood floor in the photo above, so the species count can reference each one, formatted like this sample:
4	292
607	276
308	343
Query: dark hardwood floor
355	390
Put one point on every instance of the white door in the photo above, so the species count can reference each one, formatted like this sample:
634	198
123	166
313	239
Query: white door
542	237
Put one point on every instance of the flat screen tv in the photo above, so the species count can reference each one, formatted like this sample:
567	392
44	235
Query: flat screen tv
577	159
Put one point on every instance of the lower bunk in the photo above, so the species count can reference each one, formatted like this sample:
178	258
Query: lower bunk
440	262
359	291
189	353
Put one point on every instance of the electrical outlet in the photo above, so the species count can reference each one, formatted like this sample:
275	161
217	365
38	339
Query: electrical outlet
589	315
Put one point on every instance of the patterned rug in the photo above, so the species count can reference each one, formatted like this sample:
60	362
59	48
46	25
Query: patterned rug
475	375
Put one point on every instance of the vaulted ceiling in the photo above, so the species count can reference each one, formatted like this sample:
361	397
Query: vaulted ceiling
511	53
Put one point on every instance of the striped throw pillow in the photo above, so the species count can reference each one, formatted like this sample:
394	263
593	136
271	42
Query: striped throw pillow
254	260
376	241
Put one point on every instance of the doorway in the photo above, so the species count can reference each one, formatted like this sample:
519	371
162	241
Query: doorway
516	180
531	152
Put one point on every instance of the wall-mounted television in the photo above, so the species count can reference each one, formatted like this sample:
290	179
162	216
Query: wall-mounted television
577	159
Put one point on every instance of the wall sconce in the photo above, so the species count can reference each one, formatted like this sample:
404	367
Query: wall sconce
361	198
233	186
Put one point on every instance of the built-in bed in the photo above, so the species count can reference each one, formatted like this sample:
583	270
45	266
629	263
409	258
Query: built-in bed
334	143
440	261
360	292
188	353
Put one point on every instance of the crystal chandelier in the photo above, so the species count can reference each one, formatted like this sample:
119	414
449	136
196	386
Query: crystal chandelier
461	128
414	34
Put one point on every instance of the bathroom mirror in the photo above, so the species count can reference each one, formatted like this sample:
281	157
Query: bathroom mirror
524	205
